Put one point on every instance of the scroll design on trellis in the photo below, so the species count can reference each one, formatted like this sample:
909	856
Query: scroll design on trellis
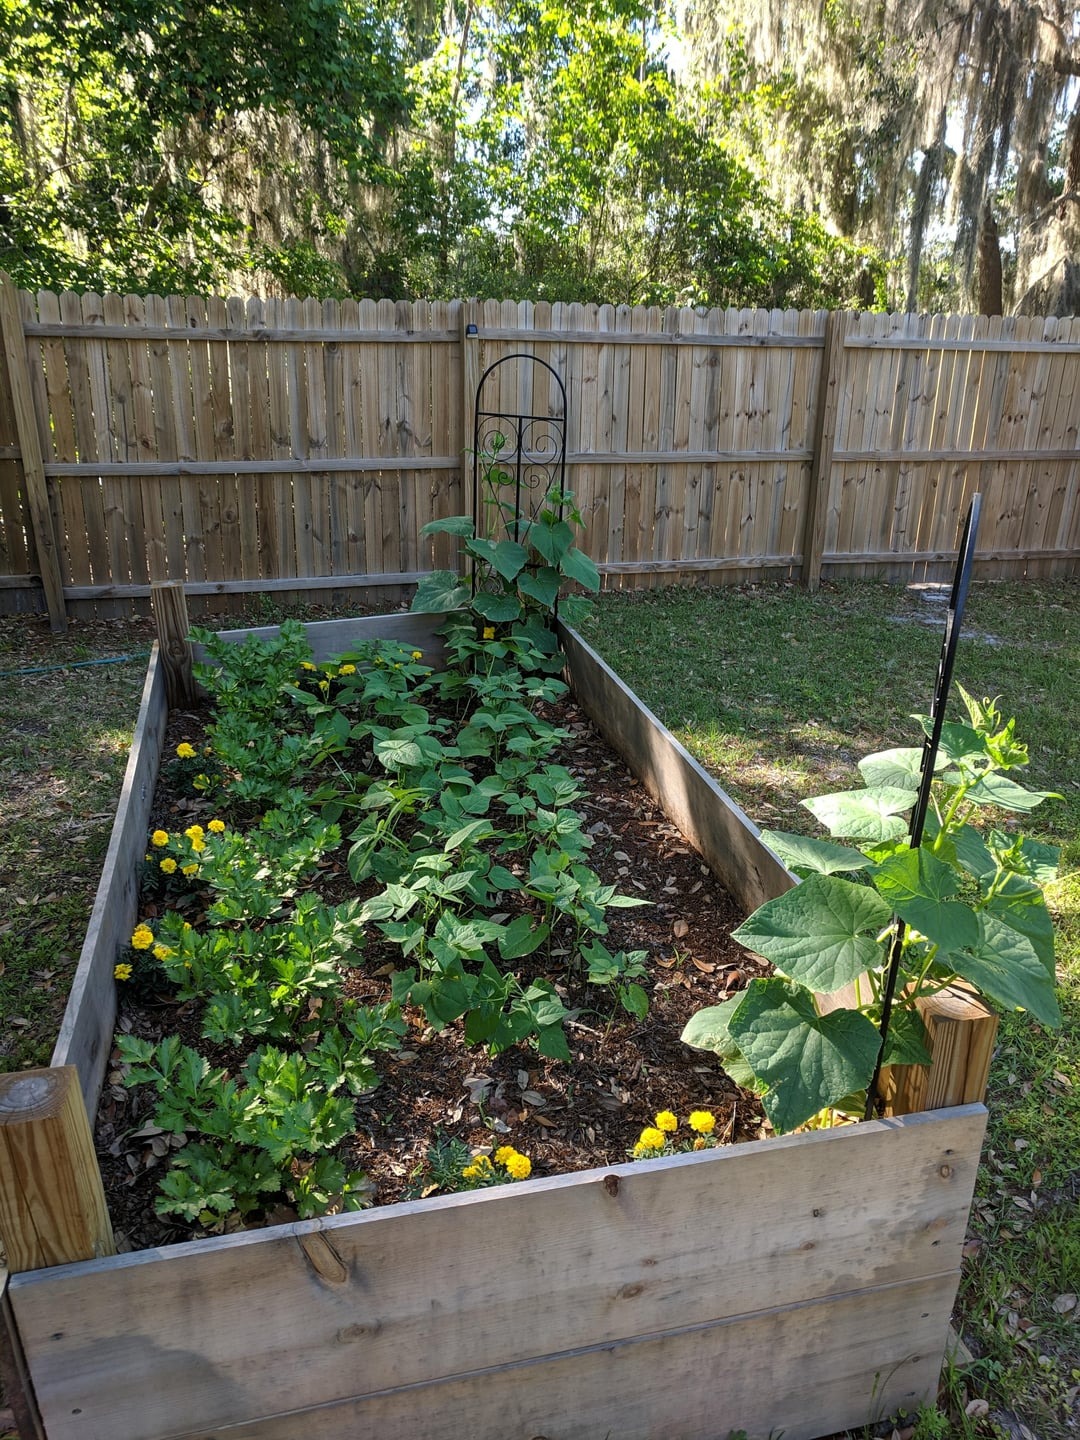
517	450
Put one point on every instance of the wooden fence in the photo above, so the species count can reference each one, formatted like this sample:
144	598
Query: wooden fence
266	445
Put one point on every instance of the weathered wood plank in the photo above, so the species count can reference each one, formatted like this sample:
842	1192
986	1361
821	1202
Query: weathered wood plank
304	1315
18	369
725	838
87	1028
830	1365
14	1376
328	638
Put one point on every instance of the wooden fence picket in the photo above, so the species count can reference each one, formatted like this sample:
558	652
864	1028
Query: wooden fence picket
300	446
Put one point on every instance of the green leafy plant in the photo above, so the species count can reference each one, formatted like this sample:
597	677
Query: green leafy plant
970	908
521	564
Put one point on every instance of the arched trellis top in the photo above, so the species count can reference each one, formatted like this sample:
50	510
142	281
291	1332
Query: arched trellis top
525	450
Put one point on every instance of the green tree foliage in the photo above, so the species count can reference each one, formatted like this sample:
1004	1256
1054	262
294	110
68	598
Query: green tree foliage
122	121
517	148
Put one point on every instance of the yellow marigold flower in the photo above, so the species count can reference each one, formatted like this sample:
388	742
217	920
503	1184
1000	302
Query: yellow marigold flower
651	1139
216	827
347	670
306	665
159	837
503	1154
699	1143
417	654
185	751
142	937
703	1121
168	865
667	1122
489	632
194	832
198	844
162	952
189	870
470	1173
121	972
519	1166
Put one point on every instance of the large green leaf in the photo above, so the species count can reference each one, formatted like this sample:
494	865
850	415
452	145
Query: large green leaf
899	768
552	538
496	607
1004	964
804	852
906	1043
708	1030
440	591
967	845
957	742
505	556
450	525
808	1061
823	933
521	937
1007	794
1020	905
541	586
871	814
918	886
576	565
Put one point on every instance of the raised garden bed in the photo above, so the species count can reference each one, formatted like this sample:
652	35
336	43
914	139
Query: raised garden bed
802	1283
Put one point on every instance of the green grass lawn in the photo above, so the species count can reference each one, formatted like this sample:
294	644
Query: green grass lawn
779	693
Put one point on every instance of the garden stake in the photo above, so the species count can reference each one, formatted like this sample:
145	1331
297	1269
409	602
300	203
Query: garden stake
957	599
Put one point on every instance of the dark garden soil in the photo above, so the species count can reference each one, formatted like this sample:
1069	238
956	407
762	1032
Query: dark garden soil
565	1117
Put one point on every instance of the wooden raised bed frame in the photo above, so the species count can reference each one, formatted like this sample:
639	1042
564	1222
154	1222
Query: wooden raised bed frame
802	1283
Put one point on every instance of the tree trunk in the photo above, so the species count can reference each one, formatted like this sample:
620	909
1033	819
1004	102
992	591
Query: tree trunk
989	264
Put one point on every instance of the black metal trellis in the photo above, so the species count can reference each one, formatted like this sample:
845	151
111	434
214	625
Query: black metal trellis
957	600
527	450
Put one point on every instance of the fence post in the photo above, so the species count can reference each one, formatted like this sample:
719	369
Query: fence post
52	1204
961	1029
837	325
37	490
169	604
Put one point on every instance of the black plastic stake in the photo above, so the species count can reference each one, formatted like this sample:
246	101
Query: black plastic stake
958	598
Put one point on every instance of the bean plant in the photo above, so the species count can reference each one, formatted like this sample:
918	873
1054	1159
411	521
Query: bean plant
439	794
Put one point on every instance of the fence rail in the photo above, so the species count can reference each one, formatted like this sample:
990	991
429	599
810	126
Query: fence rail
242	445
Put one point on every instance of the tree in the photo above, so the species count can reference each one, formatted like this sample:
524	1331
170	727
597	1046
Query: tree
901	120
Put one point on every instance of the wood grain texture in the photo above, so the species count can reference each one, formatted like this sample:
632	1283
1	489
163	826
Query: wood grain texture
828	1365
225	442
961	1030
14	1375
174	647
52	1204
87	1027
858	1231
26	424
717	828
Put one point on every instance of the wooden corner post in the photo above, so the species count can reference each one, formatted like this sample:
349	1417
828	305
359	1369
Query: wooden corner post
26	423
961	1030
171	619
52	1204
837	325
